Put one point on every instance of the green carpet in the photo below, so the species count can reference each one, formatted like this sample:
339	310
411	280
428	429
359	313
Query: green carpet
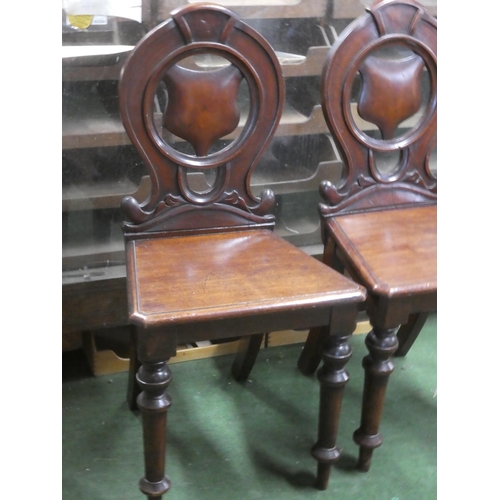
251	441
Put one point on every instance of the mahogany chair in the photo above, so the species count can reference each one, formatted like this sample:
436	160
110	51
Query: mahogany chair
204	264
379	224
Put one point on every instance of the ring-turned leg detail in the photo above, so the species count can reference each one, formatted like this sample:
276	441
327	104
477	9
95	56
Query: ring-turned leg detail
153	401
378	365
333	378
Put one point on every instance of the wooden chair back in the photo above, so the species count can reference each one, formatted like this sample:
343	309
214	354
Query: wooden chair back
379	100
202	108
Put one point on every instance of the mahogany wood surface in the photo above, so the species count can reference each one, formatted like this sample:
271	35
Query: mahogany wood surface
205	265
201	278
392	251
379	223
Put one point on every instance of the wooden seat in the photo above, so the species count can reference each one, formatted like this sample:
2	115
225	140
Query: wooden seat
204	264
379	223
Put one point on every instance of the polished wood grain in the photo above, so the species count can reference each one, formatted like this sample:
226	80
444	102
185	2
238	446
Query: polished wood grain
394	252
214	115
204	264
379	223
208	277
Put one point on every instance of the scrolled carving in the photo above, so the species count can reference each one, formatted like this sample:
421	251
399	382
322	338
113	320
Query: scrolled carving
331	194
363	181
235	199
133	210
265	204
415	178
334	197
173	201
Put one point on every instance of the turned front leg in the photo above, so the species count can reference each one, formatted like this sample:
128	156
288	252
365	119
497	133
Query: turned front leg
153	401
333	378
378	365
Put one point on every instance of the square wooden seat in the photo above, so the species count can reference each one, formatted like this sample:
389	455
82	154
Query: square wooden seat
233	282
